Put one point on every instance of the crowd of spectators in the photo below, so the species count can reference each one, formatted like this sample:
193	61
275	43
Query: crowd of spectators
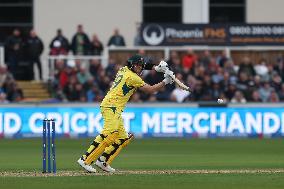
81	44
210	77
23	51
213	77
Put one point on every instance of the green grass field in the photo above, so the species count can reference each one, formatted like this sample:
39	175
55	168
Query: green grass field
150	163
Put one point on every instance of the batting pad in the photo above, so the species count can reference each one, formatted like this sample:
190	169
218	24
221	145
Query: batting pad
110	139
123	145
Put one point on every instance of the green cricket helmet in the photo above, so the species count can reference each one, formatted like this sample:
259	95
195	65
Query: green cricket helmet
146	62
135	59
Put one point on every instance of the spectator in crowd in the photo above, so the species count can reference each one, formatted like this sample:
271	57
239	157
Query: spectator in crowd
243	82
80	42
232	88
215	91
142	52
261	69
58	96
77	64
226	80
116	39
4	76
273	97
199	72
246	66
34	47
14	50
276	81
212	67
255	97
104	81
207	83
96	46
70	89
59	45
271	72
189	59
82	75
229	67
14	93
95	68
89	83
205	59
265	91
83	97
57	49
218	76
63	72
198	91
94	94
257	81
111	68
3	99
220	60
281	92
238	98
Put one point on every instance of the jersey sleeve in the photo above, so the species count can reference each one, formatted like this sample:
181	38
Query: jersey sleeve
135	81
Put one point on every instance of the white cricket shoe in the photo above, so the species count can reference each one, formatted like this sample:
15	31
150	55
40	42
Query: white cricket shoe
88	168
104	166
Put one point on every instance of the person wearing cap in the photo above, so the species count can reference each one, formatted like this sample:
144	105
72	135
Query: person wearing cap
113	137
59	45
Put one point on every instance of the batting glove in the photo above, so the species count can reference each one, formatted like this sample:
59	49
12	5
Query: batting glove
168	79
169	73
162	67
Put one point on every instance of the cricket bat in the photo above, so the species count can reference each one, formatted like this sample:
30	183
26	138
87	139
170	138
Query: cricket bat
163	67
181	85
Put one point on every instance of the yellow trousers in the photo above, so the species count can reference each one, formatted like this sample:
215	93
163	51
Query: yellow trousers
113	133
113	122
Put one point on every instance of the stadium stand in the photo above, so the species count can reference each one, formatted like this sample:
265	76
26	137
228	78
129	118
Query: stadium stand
238	76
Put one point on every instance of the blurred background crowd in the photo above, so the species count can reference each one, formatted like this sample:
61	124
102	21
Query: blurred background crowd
210	75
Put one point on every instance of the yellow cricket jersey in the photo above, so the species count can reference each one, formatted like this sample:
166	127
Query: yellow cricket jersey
124	85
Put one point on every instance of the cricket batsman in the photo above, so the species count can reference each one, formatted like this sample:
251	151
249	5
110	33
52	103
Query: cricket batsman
113	137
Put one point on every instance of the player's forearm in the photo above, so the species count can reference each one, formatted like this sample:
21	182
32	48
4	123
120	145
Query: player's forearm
153	88
157	87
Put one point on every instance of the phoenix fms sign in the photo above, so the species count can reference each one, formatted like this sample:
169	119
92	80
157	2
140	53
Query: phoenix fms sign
212	34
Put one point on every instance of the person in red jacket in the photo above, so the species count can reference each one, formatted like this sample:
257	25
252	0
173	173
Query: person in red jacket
189	59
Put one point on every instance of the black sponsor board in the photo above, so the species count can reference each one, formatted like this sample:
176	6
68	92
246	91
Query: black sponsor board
212	34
